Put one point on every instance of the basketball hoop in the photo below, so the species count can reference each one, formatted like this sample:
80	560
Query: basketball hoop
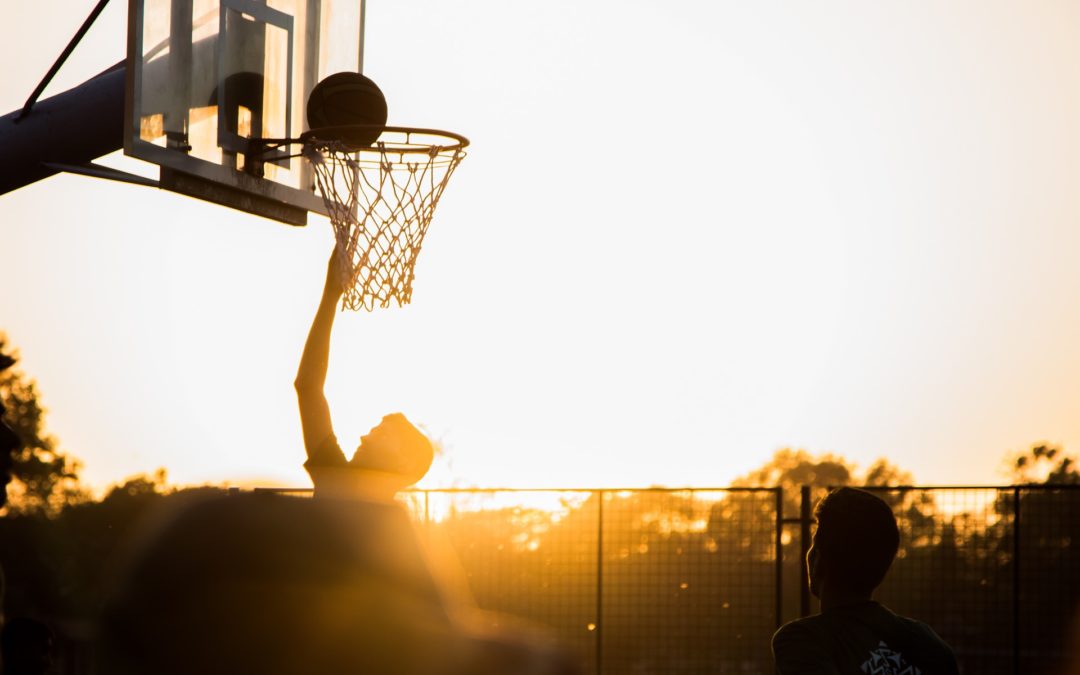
380	199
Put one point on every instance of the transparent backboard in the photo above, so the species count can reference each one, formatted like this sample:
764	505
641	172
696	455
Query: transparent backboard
205	77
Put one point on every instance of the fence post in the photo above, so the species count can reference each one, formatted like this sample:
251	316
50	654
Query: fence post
779	556
1016	580
599	582
804	548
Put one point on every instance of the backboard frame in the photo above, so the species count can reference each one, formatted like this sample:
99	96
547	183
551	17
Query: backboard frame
227	182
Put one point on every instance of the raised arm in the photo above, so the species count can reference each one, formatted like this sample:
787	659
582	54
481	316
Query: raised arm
311	376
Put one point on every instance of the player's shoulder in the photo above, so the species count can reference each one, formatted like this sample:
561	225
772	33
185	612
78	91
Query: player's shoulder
327	453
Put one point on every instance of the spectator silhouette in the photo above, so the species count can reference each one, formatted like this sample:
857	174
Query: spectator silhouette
26	646
853	547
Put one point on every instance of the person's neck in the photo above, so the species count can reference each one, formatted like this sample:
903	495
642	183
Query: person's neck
840	597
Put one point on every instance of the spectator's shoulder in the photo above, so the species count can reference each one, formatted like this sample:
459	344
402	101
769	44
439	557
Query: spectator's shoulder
933	642
947	652
920	628
800	647
799	628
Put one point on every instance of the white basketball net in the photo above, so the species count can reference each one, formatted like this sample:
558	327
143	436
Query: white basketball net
380	201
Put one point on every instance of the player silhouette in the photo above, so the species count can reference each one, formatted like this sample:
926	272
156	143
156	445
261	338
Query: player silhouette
276	585
853	547
390	457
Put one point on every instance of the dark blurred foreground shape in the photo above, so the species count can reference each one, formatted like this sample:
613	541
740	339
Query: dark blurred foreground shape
278	585
26	646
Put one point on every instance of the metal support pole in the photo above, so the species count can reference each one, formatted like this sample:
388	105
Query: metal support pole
1016	581
600	582
804	548
779	556
62	58
71	128
181	55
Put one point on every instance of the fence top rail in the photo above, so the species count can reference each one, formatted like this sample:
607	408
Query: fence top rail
775	489
1018	486
474	490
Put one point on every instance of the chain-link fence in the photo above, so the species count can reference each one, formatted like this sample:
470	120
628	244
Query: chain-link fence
993	569
689	581
631	581
953	570
1047	575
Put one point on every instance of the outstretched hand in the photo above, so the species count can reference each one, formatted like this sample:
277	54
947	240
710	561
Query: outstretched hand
333	288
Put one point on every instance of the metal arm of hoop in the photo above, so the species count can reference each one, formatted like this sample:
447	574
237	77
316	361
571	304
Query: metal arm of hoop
258	148
61	59
95	170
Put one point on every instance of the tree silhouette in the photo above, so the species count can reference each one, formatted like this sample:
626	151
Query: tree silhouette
54	564
1043	463
45	478
791	469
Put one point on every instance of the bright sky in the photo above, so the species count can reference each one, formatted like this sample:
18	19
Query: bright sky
688	233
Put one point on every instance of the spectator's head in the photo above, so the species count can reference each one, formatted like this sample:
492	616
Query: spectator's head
854	545
396	449
277	586
9	445
26	646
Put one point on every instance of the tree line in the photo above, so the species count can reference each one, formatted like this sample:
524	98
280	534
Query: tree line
662	582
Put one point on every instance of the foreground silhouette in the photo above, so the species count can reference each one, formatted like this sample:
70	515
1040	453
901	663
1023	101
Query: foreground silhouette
26	647
854	546
276	585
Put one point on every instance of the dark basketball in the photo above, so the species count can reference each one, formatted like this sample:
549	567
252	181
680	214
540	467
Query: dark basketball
348	99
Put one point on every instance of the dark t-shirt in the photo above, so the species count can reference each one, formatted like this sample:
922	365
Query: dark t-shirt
331	474
861	638
328	454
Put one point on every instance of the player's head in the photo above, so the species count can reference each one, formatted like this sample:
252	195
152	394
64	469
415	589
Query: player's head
395	448
855	542
9	445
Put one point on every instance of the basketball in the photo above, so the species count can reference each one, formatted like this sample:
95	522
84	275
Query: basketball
348	99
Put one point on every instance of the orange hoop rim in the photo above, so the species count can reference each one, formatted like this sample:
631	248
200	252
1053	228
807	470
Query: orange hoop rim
329	136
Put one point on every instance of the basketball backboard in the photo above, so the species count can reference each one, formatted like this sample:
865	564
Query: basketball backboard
205	77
